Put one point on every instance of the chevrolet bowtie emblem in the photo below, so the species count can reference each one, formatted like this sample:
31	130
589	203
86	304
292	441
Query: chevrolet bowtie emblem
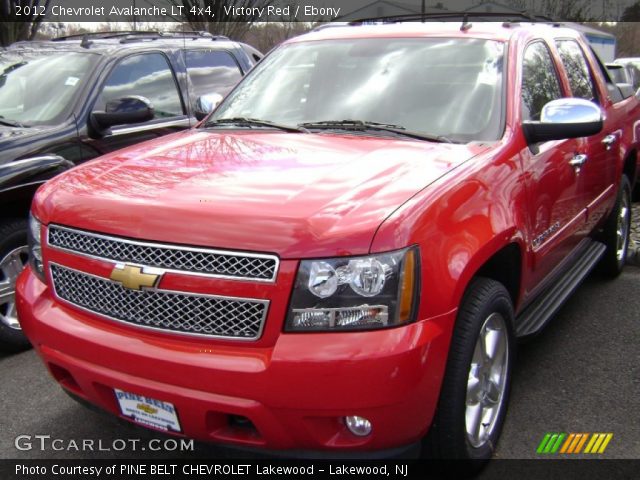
133	277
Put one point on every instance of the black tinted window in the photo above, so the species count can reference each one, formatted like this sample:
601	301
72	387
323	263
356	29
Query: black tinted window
211	72
577	69
540	82
146	75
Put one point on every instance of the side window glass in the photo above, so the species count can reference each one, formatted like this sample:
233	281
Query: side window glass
211	71
540	82
577	69
612	89
147	75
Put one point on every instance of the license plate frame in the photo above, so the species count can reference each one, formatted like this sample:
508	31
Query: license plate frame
147	411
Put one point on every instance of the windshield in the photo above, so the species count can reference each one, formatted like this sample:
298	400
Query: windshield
39	88
439	87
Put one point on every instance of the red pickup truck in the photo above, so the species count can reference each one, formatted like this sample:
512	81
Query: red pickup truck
343	255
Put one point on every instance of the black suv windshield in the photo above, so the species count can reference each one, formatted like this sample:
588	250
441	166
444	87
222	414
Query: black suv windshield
443	88
39	88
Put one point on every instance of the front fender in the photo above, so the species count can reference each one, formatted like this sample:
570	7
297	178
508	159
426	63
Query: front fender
31	170
459	223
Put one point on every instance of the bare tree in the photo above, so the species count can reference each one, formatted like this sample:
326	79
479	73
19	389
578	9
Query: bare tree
574	10
631	13
221	17
23	27
627	33
265	36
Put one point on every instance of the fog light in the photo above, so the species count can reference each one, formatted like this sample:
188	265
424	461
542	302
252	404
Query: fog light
358	425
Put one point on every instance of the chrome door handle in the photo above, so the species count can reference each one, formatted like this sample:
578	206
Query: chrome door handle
578	160
609	140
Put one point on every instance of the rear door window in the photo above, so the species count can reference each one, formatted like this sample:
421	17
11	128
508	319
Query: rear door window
577	70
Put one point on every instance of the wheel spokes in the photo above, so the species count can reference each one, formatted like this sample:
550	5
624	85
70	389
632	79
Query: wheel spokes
622	229
6	292
474	386
486	380
493	394
474	419
11	266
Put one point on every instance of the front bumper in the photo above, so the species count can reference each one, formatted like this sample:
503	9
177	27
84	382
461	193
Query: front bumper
294	393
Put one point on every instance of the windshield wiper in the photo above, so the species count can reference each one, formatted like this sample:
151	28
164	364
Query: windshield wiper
250	122
359	125
11	123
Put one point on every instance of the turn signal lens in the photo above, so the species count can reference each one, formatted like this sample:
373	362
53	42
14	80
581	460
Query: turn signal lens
34	236
407	287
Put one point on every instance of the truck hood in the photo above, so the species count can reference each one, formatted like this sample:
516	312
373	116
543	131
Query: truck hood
296	195
9	134
15	142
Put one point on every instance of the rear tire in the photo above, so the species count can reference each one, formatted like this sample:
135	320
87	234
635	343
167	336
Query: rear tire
13	257
475	390
616	233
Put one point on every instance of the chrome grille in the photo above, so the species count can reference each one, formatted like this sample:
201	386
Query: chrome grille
215	263
161	309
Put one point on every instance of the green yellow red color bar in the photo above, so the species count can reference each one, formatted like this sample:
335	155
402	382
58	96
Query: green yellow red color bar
574	443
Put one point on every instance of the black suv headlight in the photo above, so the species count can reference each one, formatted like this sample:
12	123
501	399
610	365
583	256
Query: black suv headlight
35	247
355	293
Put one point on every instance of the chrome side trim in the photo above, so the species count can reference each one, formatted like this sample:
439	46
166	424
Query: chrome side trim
178	292
184	122
274	258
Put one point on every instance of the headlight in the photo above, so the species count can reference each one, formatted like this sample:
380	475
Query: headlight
355	293
35	247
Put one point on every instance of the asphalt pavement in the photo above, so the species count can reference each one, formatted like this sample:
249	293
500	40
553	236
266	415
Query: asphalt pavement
582	374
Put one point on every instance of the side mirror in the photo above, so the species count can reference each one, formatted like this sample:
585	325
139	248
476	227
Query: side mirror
564	118
206	104
130	109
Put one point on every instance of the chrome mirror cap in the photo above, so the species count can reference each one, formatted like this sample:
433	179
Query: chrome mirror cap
205	104
571	110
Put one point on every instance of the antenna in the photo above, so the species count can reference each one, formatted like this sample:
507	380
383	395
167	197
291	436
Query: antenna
85	43
465	23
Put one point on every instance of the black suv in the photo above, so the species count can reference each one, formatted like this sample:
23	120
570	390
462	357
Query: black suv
71	99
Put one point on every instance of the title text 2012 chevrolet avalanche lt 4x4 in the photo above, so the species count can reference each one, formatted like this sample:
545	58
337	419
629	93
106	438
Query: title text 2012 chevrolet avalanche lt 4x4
342	256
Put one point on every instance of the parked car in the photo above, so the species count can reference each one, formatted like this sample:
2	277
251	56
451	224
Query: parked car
630	62
71	99
342	256
625	75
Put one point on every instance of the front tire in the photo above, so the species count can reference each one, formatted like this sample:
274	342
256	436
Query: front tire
475	390
13	258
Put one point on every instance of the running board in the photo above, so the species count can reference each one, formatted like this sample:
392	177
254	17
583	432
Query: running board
537	314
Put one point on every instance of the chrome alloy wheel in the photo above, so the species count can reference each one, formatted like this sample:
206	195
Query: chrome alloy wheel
622	228
487	380
10	267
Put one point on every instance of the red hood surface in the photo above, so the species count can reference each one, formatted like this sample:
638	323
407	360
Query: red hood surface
296	195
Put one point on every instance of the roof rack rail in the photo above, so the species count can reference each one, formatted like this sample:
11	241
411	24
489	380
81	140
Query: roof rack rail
100	35
127	36
173	34
324	26
427	17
